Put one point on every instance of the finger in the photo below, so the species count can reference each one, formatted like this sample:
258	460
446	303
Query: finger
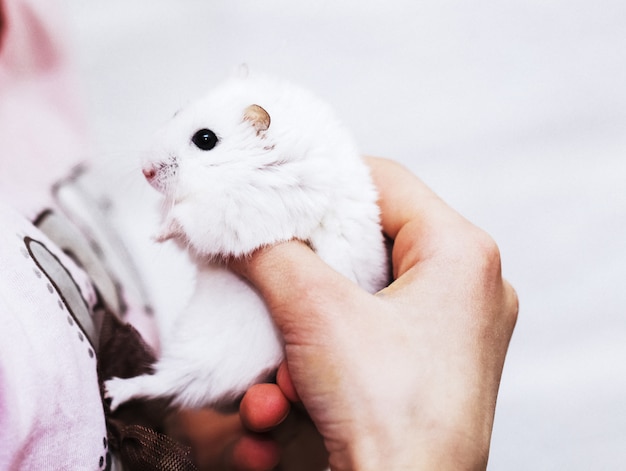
512	306
403	197
210	434
297	286
253	453
283	379
263	407
419	222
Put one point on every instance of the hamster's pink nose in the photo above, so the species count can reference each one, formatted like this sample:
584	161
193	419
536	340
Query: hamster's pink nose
149	172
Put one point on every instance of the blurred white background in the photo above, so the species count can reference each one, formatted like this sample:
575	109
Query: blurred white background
514	112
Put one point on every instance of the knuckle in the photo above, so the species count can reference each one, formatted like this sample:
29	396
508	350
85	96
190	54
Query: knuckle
478	250
512	308
485	246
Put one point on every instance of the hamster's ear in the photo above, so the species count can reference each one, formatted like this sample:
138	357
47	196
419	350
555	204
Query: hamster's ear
258	117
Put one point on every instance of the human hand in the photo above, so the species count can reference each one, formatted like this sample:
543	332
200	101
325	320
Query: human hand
407	378
266	431
234	441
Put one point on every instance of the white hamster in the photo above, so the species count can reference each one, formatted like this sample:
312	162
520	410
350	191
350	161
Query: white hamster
255	162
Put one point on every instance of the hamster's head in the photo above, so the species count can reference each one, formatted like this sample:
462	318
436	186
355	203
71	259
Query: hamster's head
229	185
189	138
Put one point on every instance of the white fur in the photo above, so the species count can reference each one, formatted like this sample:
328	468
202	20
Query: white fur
301	178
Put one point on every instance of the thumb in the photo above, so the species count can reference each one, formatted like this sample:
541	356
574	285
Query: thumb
302	292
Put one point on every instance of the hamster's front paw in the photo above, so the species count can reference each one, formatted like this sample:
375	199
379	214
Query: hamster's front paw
119	391
170	230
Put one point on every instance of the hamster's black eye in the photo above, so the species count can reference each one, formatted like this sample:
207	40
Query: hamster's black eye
204	139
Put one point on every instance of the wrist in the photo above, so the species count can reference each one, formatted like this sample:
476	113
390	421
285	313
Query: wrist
420	458
432	450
